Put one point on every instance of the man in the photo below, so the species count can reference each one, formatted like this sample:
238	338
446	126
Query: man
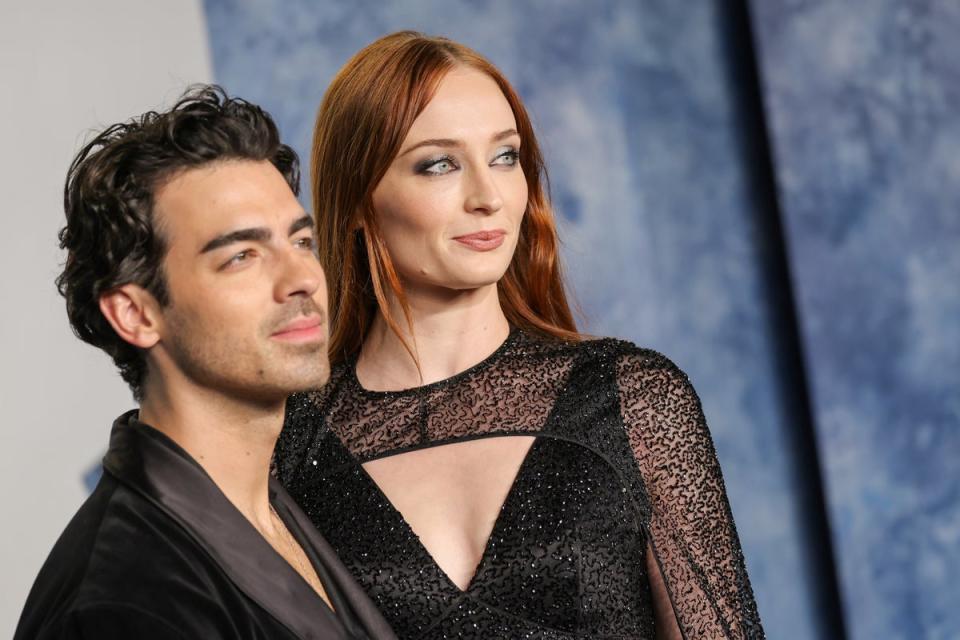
191	262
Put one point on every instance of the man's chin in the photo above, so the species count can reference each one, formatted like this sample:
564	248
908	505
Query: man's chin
295	348
309	380
272	386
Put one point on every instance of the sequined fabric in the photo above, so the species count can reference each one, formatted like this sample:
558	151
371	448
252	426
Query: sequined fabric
622	460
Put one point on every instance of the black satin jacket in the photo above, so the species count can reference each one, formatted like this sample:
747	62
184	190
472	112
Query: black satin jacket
157	551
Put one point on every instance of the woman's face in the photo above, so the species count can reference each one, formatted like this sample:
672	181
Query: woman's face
450	205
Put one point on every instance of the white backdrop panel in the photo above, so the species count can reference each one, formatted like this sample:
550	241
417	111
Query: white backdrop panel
66	69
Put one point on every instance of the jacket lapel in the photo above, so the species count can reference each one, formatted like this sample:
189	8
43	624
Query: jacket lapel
153	465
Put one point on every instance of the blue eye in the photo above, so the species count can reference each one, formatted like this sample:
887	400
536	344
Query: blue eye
436	166
507	158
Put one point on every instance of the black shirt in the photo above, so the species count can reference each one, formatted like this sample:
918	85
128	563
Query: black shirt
622	465
158	551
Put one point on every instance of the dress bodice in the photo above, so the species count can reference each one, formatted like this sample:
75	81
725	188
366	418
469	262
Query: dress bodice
622	463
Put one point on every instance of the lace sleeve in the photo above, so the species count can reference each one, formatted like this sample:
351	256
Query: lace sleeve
691	529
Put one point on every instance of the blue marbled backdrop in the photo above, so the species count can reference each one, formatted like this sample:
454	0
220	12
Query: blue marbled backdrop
864	100
663	237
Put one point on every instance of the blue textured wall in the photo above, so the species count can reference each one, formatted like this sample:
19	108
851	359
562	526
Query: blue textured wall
864	100
666	238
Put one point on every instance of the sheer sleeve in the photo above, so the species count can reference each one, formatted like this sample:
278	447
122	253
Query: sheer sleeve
691	529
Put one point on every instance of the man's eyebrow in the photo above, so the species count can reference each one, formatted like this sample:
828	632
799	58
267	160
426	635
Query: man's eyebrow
300	223
258	234
450	142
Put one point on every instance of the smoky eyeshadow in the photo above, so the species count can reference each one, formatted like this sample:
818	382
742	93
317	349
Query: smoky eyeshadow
424	165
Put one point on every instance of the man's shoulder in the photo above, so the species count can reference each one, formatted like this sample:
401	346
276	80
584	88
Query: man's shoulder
121	551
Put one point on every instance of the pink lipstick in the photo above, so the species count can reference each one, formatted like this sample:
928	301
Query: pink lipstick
483	240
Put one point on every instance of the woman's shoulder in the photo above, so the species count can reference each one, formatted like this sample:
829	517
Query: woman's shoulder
626	357
642	376
636	370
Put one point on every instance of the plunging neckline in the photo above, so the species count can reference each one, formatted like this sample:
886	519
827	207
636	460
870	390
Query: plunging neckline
408	528
422	391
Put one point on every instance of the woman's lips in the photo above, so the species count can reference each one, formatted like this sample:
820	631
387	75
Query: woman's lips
483	240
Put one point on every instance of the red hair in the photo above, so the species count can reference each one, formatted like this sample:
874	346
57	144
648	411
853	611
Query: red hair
363	119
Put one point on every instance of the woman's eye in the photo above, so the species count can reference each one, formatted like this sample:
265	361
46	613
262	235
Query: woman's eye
507	158
436	166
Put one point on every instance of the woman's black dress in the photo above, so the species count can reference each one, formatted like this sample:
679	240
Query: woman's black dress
622	459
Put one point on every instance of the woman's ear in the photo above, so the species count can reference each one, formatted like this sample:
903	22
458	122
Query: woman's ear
133	313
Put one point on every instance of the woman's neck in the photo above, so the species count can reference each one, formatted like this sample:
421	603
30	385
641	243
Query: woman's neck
452	331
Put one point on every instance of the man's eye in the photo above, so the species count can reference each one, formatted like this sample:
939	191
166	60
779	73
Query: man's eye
238	258
305	243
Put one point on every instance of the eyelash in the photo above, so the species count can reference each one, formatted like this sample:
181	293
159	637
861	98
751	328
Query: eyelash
513	154
241	256
307	242
424	167
237	258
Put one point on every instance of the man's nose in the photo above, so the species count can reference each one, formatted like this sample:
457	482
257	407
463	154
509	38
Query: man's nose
300	274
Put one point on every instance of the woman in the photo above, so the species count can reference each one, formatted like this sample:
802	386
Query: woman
483	469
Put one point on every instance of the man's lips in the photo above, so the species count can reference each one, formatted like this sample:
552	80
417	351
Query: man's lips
483	240
302	329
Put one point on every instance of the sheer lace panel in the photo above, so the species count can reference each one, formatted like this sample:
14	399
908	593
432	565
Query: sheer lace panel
691	526
510	392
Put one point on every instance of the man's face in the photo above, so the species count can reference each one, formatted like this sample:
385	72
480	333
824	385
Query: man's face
247	312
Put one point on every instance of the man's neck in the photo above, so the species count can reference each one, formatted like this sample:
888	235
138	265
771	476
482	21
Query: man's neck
231	439
450	334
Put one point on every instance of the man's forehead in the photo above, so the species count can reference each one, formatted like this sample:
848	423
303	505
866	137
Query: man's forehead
223	184
221	196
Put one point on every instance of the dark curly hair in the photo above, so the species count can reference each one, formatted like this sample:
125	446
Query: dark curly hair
111	237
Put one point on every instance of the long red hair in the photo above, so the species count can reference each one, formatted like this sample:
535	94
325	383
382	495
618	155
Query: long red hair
363	119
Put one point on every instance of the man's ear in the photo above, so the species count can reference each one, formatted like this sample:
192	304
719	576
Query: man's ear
134	314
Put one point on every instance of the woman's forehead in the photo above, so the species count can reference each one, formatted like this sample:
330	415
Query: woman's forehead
467	103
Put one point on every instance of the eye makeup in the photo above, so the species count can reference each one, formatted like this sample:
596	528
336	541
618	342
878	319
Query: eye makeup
508	156
433	166
438	165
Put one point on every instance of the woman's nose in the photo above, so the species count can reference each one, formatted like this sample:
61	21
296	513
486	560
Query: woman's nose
483	196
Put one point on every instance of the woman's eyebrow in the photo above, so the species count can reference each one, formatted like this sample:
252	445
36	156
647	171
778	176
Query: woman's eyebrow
450	142
433	142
